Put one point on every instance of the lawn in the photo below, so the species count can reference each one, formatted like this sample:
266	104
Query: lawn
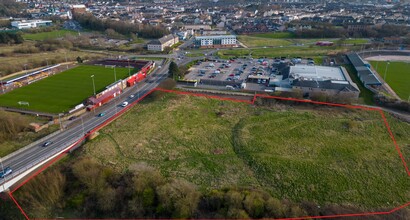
398	76
49	35
63	91
326	155
277	35
290	51
261	42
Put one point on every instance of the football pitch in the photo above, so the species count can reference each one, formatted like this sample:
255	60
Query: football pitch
63	91
397	76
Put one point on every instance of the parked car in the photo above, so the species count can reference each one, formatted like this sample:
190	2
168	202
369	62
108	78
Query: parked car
7	171
48	143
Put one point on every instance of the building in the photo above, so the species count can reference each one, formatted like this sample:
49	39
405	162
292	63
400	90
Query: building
216	41
26	24
160	44
321	79
363	70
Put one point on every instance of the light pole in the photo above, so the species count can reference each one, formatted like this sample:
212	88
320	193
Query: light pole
65	54
129	71
47	61
92	77
385	71
59	119
115	75
82	124
4	178
25	72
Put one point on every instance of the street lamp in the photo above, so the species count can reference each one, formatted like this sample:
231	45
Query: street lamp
129	71
47	61
92	77
115	75
385	71
2	169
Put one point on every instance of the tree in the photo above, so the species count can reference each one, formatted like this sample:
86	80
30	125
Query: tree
173	70
178	198
79	60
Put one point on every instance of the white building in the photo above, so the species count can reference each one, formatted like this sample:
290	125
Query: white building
26	24
216	41
160	44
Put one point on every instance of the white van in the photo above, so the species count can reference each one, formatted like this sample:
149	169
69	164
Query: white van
124	104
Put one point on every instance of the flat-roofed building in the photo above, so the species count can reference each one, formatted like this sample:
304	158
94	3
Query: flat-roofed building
216	41
329	80
27	24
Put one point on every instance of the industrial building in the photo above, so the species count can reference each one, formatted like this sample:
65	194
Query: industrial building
330	80
216	41
363	70
27	24
160	44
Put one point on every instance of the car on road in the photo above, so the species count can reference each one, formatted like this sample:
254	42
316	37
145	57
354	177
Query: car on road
72	118
7	171
101	114
131	96
124	104
48	143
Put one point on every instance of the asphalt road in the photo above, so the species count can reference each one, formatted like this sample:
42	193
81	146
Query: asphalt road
76	130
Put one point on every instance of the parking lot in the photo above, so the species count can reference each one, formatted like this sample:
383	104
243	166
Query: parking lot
231	74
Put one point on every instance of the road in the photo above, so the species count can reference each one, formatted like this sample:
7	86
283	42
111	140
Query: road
29	157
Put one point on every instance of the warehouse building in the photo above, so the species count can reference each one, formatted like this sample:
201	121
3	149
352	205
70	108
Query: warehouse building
219	41
329	80
160	44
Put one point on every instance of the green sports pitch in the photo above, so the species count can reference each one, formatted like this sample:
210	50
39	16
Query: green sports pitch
63	91
397	76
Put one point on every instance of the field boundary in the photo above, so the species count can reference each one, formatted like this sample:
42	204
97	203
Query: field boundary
109	120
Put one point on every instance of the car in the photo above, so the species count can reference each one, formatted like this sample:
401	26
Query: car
72	118
159	67
101	114
7	171
124	104
229	79
131	96
48	143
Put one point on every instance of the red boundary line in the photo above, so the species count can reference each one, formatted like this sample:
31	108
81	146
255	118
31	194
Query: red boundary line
240	101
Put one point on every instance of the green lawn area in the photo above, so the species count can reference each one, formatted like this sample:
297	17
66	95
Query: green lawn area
398	76
326	155
291	51
261	42
63	91
49	35
277	35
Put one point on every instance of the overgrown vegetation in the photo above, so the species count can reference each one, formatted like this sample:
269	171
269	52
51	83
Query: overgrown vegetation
146	31
16	133
203	158
10	8
11	38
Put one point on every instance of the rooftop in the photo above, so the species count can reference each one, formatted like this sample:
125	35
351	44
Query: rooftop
319	73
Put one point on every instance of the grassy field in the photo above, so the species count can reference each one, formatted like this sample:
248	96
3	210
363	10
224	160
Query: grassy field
290	51
61	92
49	35
277	35
398	76
327	155
251	41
